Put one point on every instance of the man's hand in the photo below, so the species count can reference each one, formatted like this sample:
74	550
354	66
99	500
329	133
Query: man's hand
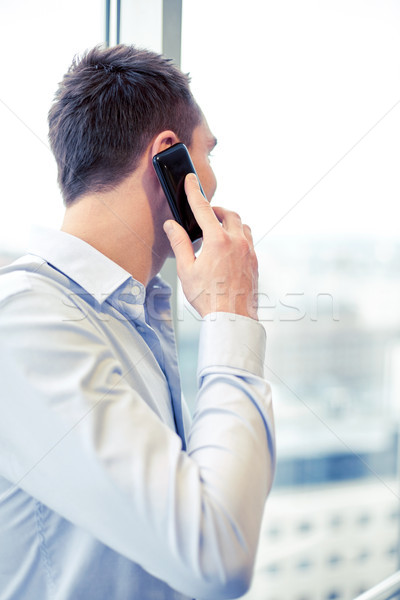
224	277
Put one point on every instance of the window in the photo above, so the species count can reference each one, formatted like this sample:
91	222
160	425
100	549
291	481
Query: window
304	98
39	41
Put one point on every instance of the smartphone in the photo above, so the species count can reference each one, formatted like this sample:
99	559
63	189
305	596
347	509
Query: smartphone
171	166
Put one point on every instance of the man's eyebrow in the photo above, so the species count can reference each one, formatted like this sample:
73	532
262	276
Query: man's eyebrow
212	142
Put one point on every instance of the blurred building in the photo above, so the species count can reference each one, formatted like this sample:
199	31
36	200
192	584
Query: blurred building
331	310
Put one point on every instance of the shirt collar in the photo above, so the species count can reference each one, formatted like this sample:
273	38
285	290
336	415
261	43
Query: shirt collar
79	261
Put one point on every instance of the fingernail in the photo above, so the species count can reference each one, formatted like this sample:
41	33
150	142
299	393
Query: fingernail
192	177
168	227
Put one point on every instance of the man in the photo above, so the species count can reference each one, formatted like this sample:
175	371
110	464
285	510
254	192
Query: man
108	490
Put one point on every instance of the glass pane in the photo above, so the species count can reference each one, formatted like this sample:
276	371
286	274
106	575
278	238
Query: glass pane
304	98
39	41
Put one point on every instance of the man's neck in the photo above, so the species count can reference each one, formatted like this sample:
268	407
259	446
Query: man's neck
120	225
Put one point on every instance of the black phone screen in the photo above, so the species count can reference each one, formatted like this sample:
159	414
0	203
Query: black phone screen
172	165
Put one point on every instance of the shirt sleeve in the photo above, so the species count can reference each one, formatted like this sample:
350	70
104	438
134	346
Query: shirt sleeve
77	437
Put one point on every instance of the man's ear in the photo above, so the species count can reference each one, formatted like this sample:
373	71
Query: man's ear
164	140
161	142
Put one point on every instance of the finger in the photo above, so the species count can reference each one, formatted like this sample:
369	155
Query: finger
249	238
229	219
248	234
200	206
180	244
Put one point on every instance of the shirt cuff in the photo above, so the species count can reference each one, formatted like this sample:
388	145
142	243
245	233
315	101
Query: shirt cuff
230	340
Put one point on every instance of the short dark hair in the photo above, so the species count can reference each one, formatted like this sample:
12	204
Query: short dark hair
107	109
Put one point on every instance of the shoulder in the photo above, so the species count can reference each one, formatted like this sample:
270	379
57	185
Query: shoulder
16	280
13	283
30	287
27	274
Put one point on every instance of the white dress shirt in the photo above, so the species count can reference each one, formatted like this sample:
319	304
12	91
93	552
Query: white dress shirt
108	490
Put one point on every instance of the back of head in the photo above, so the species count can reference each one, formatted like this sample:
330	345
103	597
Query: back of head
109	106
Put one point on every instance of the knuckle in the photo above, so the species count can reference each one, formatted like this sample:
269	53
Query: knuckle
203	205
221	236
244	245
221	243
235	215
247	230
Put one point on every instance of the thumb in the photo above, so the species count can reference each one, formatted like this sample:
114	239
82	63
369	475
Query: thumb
180	244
